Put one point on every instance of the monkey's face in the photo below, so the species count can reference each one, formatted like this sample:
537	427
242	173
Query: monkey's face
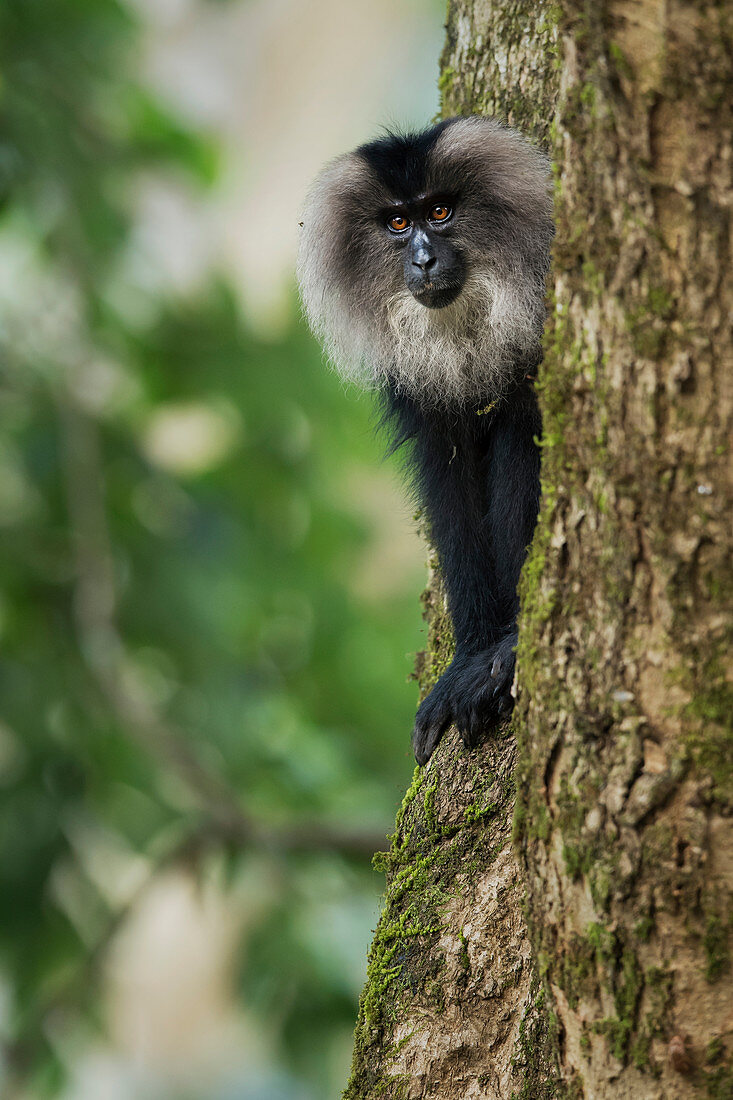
423	258
422	233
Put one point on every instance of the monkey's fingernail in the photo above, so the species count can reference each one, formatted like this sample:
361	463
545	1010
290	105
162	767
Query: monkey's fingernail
496	667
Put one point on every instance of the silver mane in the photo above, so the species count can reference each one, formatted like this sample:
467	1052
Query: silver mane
352	284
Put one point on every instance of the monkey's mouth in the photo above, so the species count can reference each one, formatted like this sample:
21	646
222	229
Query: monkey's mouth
435	297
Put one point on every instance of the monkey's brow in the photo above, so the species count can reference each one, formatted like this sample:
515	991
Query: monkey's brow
417	200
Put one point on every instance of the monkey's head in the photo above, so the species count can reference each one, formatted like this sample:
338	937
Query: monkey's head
423	259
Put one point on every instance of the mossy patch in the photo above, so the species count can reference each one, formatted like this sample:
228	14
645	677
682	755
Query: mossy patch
535	1058
718	1071
716	945
427	858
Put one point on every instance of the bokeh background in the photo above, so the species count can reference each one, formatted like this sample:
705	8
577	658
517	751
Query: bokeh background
209	579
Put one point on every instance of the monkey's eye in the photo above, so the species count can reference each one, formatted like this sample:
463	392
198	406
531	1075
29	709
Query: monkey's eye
440	213
398	223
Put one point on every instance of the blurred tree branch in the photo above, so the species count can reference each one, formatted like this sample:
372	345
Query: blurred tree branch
105	656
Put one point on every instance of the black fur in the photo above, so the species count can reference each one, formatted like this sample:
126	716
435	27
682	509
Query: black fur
476	474
401	160
455	379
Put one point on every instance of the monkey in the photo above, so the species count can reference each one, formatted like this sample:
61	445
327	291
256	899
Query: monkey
422	265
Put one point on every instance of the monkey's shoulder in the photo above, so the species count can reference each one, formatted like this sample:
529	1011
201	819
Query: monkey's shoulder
406	417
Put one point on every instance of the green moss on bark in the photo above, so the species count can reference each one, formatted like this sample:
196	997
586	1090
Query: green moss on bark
427	859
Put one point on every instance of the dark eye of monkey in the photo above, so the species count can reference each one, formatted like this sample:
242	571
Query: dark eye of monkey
398	223
440	213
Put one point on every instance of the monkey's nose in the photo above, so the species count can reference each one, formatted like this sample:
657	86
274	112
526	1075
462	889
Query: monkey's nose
424	260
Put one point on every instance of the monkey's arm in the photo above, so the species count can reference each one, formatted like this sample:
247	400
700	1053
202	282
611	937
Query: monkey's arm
479	483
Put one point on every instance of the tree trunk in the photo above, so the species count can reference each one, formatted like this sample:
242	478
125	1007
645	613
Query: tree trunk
591	958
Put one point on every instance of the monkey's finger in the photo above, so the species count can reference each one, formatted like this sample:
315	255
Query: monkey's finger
473	729
425	741
504	705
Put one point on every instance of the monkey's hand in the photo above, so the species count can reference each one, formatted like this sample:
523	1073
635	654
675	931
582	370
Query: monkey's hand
474	694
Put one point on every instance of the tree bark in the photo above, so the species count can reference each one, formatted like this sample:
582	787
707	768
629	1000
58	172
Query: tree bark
591	957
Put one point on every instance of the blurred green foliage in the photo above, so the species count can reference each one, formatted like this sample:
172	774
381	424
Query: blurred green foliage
190	670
